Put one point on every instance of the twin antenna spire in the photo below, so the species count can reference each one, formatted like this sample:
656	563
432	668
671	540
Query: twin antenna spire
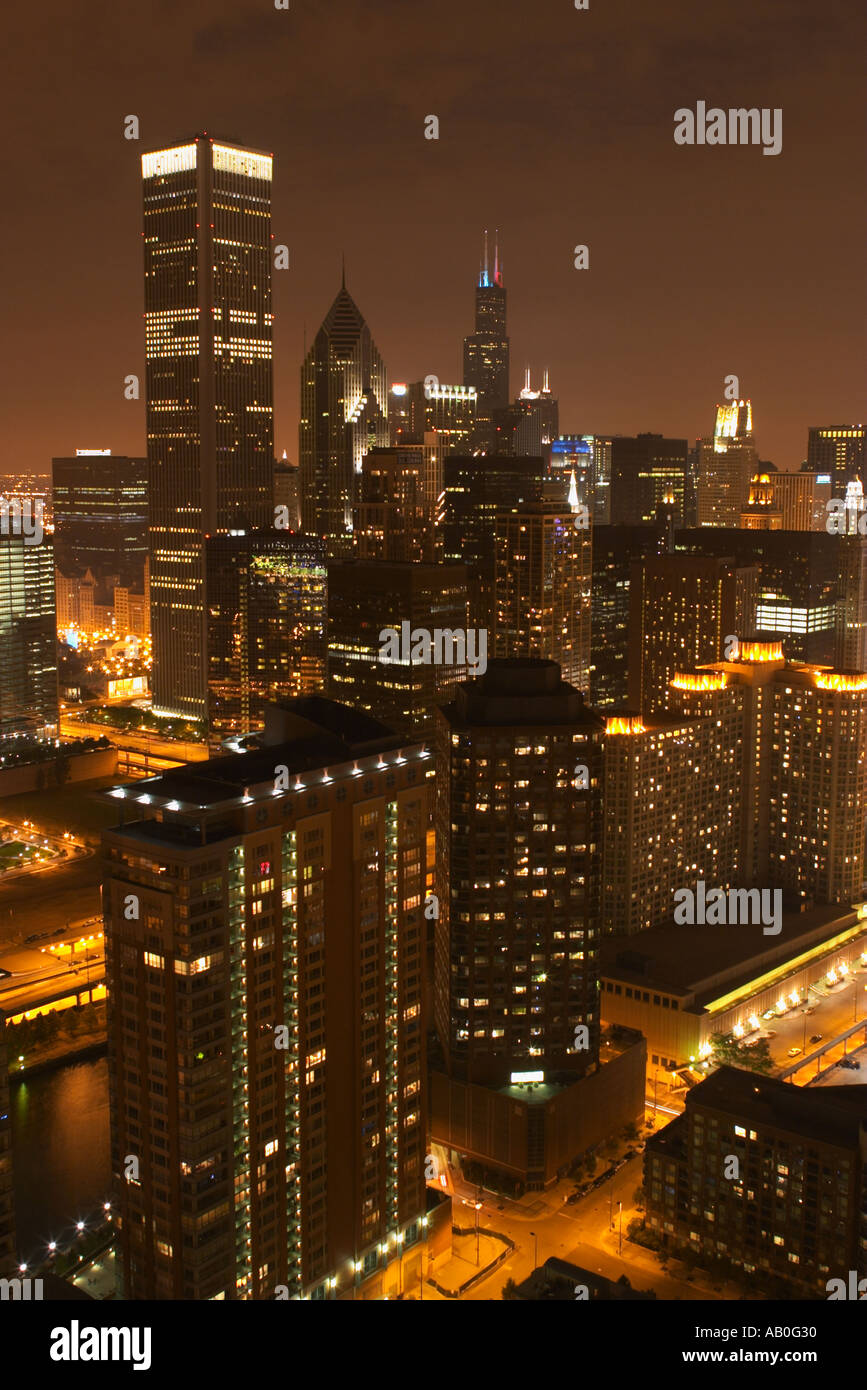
485	280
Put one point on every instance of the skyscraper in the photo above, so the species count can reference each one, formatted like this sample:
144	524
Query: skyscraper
28	636
7	1190
101	515
840	450
267	601
486	349
395	516
543	583
344	414
647	472
208	335
725	464
264	924
802	498
615	548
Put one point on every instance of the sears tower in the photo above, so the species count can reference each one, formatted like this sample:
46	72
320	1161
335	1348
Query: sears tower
208	335
486	351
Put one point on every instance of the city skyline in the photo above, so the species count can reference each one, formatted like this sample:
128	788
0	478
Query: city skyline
666	244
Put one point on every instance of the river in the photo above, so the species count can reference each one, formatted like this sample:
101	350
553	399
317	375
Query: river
60	1150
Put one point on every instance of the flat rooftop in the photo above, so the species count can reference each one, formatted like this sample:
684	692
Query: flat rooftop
699	960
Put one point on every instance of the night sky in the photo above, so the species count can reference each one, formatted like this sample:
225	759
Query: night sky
555	124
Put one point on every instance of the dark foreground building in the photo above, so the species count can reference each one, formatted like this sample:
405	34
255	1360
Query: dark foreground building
795	1206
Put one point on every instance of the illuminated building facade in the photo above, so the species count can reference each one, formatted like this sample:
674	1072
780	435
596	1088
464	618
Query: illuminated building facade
101	516
475	489
208	343
518	874
286	492
615	552
449	410
272	978
795	1210
486	350
366	596
671	813
267	601
539	424
801	498
516	1082
682	608
803	784
840	450
542	587
647	472
344	414
395	516
806	586
28	636
763	511
725	464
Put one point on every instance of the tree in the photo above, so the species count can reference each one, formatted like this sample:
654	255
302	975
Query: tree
638	1198
630	1132
734	1052
510	1289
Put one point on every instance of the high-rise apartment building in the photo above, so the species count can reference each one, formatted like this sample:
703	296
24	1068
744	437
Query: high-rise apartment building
725	464
28	636
681	609
101	515
367	597
208	344
542	587
267	602
672	812
344	414
803	786
517	1082
265	933
486	349
647	472
795	1207
840	450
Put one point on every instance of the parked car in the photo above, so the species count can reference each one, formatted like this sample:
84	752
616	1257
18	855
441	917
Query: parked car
817	1037
793	1051
769	1013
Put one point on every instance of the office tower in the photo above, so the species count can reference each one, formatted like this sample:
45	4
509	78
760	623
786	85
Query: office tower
725	464
681	610
803	786
646	472
266	1041
367	596
475	489
486	350
344	414
286	496
7	1189
395	516
398	412
801	498
28	636
101	516
208	334
672	813
615	551
516	1082
267	603
542	587
794	1210
448	410
851	630
539	425
763	511
840	450
571	456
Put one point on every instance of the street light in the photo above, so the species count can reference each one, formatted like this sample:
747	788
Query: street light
620	1242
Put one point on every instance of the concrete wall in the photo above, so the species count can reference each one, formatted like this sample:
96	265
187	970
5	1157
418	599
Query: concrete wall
83	767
